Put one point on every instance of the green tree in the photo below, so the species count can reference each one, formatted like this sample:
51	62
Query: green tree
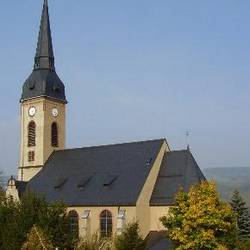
17	219
130	239
200	220
242	214
38	240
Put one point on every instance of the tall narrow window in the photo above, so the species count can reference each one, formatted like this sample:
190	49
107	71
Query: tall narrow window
54	135
31	134
106	224
74	222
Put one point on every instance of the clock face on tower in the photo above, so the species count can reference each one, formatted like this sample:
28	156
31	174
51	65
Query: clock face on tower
54	112
32	111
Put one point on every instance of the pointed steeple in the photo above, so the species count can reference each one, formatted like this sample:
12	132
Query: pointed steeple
44	58
44	81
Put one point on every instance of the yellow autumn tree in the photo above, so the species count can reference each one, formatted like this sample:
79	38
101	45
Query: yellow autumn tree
200	220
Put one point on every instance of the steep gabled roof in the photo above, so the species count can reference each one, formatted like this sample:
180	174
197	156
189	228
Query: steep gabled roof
111	175
178	170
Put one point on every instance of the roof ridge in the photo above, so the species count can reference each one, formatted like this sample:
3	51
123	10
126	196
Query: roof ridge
113	144
179	150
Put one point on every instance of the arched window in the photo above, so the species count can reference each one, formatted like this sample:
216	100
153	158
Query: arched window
54	135
74	222
106	224
31	134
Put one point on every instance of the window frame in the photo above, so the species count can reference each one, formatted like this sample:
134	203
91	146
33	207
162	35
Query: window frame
74	222
106	224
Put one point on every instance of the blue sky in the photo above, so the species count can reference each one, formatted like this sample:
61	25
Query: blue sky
137	70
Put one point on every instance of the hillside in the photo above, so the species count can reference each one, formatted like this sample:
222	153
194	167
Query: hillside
229	179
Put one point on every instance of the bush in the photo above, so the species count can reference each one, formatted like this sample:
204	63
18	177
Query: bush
95	243
130	239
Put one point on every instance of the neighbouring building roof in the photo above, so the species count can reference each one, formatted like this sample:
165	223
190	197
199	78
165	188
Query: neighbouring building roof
44	81
178	170
158	240
97	176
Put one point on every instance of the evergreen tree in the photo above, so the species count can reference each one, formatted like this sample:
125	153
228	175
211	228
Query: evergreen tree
242	214
130	239
200	220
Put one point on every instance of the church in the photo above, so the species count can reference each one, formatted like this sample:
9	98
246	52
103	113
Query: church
105	186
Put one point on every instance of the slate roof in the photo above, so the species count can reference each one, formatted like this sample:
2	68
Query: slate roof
44	81
44	58
158	240
20	186
178	169
111	175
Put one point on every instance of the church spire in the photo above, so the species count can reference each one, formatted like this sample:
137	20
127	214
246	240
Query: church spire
44	81
44	58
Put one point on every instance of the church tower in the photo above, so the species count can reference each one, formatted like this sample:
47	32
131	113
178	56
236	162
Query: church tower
43	104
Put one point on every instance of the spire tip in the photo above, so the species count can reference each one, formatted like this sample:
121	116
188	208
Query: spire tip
44	58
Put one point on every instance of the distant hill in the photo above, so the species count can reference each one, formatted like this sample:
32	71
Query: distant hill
229	179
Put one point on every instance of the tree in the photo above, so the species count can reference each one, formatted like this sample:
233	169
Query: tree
242	214
200	220
95	243
244	245
130	239
2	194
17	219
37	240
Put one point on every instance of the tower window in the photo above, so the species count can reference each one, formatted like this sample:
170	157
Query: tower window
31	134
54	135
31	156
106	224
